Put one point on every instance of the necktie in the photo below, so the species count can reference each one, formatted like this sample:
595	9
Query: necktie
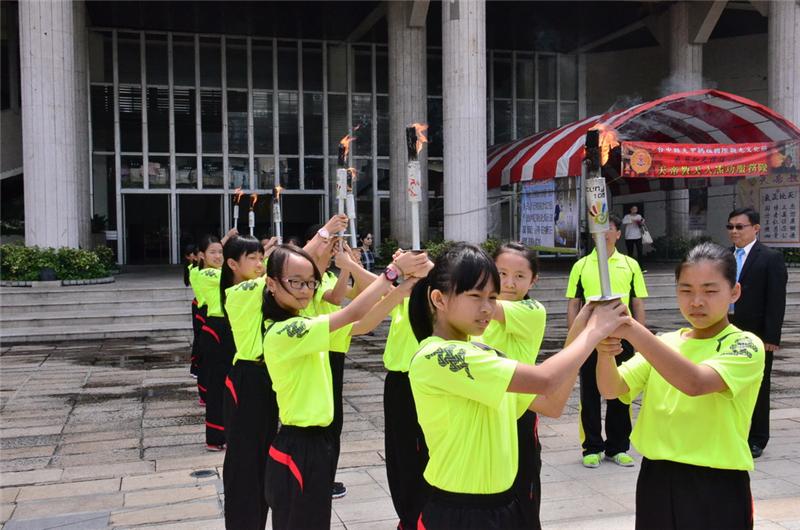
739	264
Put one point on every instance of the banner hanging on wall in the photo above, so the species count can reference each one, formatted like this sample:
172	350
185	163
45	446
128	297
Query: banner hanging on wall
549	215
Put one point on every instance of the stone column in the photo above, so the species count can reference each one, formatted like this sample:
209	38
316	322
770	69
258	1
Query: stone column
464	99
54	128
408	82
783	59
685	57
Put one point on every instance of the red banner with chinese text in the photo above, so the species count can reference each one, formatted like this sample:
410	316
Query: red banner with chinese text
657	160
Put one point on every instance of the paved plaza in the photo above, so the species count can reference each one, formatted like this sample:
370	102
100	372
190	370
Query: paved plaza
110	434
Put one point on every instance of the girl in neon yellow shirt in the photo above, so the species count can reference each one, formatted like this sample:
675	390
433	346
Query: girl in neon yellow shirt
699	386
250	408
469	396
299	471
517	330
200	316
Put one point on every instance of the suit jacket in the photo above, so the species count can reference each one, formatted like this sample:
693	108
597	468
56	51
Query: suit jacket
761	306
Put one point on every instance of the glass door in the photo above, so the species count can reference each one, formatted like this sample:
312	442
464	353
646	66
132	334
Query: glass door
147	228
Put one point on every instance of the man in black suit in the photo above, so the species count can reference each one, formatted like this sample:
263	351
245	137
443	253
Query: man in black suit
762	274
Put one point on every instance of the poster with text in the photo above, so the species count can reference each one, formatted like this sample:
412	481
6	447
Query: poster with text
549	215
779	207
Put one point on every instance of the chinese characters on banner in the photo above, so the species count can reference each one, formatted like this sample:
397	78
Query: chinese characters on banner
664	160
549	215
779	207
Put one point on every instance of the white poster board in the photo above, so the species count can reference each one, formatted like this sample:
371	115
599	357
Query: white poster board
779	207
549	215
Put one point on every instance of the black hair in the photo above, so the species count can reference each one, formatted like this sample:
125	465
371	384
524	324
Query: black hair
709	251
276	266
235	247
460	268
191	248
206	242
294	240
751	214
311	231
518	248
613	218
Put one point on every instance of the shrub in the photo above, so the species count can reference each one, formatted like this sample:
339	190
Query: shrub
20	263
106	256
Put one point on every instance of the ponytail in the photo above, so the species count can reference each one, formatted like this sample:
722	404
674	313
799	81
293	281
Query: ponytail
419	310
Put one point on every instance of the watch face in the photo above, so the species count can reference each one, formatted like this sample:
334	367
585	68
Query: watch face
324	233
390	274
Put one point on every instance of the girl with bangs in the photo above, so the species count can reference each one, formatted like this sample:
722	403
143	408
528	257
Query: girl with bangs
469	396
301	463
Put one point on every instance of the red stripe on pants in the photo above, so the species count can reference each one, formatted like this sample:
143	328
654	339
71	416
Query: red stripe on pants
420	524
211	332
287	460
201	387
200	318
229	384
215	426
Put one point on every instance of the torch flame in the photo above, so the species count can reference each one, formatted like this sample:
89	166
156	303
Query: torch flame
609	139
253	200
353	172
237	193
277	192
421	138
345	142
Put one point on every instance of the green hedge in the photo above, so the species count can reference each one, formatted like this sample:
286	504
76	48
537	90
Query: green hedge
19	263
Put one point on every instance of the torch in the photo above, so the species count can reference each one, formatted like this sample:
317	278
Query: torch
351	206
415	138
251	218
597	202
237	195
341	173
277	218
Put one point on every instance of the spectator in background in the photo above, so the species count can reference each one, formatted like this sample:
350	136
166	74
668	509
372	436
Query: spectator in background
633	224
367	254
762	274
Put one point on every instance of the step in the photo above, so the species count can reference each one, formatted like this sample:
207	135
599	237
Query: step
88	318
107	331
29	295
109	307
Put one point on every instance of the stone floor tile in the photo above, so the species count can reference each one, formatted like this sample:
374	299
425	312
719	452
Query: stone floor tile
68	489
160	480
365	511
165	514
170	495
78	521
27	452
23	478
121	469
80	448
67	505
202	460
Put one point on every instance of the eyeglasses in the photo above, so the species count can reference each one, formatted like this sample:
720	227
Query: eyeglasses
736	227
298	285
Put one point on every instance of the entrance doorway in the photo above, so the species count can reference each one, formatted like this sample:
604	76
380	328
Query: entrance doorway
198	215
299	213
147	229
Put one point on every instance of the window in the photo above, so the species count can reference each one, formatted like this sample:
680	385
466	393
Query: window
237	122
158	119
211	120
130	118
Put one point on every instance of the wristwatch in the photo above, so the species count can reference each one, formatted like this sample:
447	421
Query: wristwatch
391	274
324	234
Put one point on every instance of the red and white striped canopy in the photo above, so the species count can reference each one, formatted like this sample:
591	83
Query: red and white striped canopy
700	116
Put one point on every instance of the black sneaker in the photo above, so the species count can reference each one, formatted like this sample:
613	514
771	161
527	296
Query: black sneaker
754	450
338	491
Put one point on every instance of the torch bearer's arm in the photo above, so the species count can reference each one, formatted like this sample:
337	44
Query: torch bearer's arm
232	232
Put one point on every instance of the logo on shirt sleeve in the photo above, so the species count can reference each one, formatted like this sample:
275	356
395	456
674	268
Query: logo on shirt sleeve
452	357
531	304
246	286
743	347
297	329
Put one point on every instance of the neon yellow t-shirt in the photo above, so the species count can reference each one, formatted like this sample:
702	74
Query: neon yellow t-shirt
340	339
401	344
243	303
194	275
623	271
468	417
207	282
296	353
520	336
709	430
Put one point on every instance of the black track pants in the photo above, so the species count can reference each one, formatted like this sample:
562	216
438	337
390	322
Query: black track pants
198	321
528	485
674	496
337	375
298	485
406	452
251	422
460	511
218	350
